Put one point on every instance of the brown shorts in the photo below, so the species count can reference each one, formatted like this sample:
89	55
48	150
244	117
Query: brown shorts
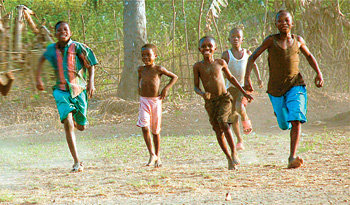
219	109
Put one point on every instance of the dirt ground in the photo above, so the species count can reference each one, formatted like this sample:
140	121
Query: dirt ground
35	161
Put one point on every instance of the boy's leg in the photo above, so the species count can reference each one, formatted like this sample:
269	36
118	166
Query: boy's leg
229	138
220	137
156	142
71	140
294	138
246	123
240	108
293	160
296	100
148	141
235	128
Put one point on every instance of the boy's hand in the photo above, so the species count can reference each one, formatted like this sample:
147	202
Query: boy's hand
10	76
249	97
206	96
40	85
319	80
90	89
248	85
164	93
260	83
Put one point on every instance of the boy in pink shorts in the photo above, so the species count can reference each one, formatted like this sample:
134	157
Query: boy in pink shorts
150	112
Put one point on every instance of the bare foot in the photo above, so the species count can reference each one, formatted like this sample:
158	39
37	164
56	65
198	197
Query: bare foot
158	163
247	127
78	167
152	160
235	159
295	162
231	166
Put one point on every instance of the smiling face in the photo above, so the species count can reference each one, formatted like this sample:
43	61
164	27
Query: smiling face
148	56
236	38
284	22
63	32
207	47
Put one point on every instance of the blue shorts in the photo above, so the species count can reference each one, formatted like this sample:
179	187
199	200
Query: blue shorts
290	107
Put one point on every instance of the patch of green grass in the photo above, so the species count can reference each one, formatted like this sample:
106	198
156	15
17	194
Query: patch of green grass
308	146
5	197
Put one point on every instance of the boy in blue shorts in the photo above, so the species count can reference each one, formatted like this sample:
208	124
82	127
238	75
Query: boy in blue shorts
70	60
286	87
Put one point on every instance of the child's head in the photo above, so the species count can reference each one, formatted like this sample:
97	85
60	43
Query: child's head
62	31
207	46
284	21
149	53
236	37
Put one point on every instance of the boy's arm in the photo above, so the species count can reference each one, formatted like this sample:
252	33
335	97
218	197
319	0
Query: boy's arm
91	83
173	80
39	82
234	81
196	77
256	71
312	61
266	44
139	80
225	56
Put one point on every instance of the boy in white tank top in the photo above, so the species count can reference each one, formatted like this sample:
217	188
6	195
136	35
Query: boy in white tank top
237	58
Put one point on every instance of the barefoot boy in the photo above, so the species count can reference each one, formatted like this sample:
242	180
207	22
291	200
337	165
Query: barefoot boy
236	59
4	89
217	101
150	113
70	60
286	87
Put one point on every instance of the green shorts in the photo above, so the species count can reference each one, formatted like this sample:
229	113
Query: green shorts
66	104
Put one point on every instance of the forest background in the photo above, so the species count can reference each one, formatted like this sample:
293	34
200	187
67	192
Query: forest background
175	27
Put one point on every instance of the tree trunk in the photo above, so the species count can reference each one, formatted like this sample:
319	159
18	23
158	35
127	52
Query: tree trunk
134	38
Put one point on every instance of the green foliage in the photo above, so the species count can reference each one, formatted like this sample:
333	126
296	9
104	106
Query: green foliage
103	24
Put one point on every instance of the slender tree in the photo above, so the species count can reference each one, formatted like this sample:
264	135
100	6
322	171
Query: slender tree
135	36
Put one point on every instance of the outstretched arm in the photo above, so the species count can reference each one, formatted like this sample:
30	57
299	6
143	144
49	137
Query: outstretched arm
173	80
312	61
256	71
266	44
4	89
234	81
39	82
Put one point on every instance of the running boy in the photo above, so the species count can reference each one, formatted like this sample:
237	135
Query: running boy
150	112
236	59
4	89
70	61
286	87
217	101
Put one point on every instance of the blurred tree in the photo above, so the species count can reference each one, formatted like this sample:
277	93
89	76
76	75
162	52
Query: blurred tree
135	37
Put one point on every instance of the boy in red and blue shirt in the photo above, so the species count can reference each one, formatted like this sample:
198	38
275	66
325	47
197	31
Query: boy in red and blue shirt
70	60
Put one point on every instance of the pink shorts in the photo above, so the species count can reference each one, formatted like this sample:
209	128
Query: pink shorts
150	113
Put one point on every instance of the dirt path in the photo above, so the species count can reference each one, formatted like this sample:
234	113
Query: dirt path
35	161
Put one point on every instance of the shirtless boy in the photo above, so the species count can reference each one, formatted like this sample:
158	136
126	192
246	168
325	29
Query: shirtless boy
217	101
150	112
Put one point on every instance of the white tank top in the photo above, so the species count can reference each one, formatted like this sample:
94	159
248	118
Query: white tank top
237	67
